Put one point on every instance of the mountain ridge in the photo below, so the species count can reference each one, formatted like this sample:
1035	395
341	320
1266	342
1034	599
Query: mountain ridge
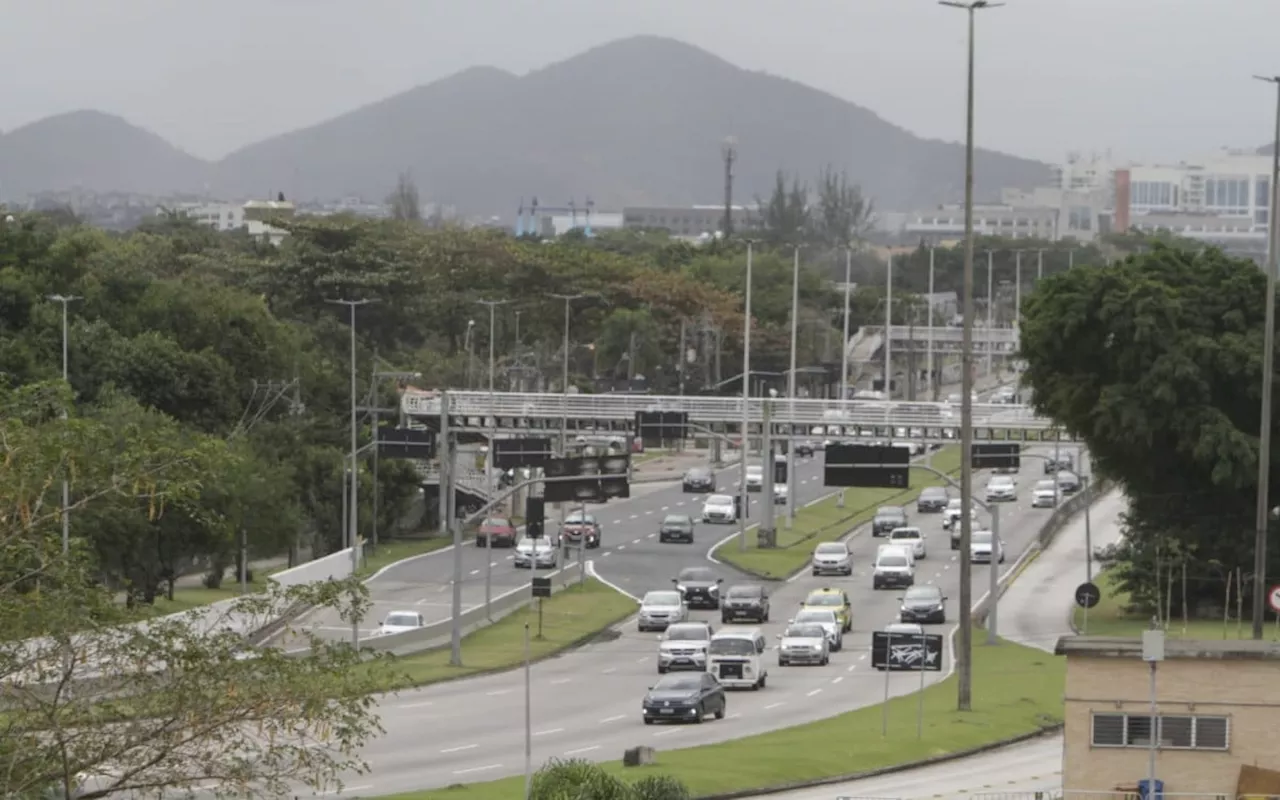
638	120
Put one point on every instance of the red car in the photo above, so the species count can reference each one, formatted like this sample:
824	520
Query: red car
580	528
499	529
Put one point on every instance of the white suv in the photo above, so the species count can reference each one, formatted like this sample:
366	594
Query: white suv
895	567
910	537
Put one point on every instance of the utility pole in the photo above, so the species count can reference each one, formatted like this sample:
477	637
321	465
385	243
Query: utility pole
352	530
683	362
564	379
65	300
791	389
964	656
744	446
991	271
844	341
933	381
888	328
1268	370
376	411
730	152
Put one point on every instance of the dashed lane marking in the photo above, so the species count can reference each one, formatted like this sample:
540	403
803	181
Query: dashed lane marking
497	693
422	704
582	750
613	718
460	749
561	681
485	768
609	670
773	705
669	732
837	679
548	731
814	692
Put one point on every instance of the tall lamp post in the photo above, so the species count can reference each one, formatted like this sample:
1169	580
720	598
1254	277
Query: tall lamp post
65	300
352	305
1268	368
564	381
745	444
964	656
771	461
844	342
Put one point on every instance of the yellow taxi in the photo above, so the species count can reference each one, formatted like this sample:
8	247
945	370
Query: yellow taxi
832	600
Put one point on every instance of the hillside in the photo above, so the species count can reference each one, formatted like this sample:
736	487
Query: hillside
639	120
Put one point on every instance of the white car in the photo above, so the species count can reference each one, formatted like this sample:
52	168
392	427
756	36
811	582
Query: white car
827	619
1001	489
980	545
401	622
909	537
661	608
719	508
895	567
832	558
1046	494
779	493
684	646
540	553
803	643
755	478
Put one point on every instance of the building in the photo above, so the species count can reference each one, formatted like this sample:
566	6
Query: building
219	216
687	222
1217	710
1008	220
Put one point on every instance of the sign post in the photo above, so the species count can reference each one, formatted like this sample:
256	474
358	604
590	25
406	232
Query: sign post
1088	595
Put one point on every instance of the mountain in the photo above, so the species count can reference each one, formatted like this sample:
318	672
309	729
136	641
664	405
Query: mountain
636	121
94	151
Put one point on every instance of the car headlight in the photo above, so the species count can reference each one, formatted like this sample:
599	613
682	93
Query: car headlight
714	588
681	589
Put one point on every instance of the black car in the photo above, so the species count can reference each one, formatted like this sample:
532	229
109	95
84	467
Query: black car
932	499
699	479
887	518
676	528
1063	462
700	587
805	448
924	604
684	698
745	602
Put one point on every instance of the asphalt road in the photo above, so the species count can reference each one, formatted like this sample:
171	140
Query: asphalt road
586	702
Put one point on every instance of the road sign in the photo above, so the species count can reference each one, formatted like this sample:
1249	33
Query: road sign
541	587
600	478
406	443
906	651
996	455
660	426
522	452
1273	597
868	466
1088	595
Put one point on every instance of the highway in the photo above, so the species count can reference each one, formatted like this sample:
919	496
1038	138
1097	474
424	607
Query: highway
586	702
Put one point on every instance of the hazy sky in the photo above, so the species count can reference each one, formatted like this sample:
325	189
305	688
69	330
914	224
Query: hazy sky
1148	79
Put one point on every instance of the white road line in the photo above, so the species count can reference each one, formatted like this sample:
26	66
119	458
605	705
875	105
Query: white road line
680	503
837	679
642	659
421	603
423	704
345	790
497	692
650	536
559	681
477	769
669	732
617	522
622	547
460	749
475	572
581	750
548	731
773	705
637	541
606	552
851	668
610	669
815	691
635	516
613	719
664	508
862	657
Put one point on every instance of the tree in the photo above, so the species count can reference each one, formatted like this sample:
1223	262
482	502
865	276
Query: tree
403	200
841	216
1155	363
785	215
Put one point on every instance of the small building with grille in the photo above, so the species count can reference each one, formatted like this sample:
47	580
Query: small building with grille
1217	715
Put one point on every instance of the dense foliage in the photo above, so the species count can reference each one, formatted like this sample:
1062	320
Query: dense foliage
575	779
1156	362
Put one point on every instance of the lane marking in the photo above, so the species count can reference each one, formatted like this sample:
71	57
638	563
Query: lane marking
497	692
664	508
460	749
423	704
837	679
851	668
477	769
733	716
773	705
475	572
613	719
346	789
635	516
815	691
549	731
669	732
609	670
637	541
650	536
582	750
622	547
559	681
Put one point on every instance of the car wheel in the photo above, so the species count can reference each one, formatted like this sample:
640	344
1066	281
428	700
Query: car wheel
648	721
662	670
724	706
702	713
764	680
826	660
724	620
782	662
765	618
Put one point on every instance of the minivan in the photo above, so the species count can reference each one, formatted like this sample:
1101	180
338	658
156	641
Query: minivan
736	658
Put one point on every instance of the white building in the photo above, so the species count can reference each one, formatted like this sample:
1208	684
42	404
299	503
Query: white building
219	216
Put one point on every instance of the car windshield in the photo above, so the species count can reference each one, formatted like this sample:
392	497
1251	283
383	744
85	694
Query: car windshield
732	646
744	591
889	511
719	500
678	683
955	503
934	492
497	522
1042	485
900	629
676	519
893	561
755	469
1002	480
662	599
980	537
528	544
805	632
923	593
816	615
831	549
696	574
824	600
578	517
698	472
402	620
687	633
905	533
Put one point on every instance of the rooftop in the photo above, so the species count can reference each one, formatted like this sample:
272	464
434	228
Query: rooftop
1115	647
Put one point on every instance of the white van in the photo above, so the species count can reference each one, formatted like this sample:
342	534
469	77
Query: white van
895	567
736	657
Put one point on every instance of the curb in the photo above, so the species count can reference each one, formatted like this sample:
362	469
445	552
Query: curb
1050	730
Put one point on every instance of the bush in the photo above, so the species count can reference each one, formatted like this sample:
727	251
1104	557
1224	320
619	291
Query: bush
576	779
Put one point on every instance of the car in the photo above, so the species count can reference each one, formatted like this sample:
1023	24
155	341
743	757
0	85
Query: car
496	532
924	603
1001	489
401	622
755	478
825	617
684	646
720	508
699	587
932	499
803	643
1046	494
676	528
910	537
661	608
540	553
834	599
1059	463
832	558
887	518
745	601
684	698
699	479
980	546
779	494
1068	482
580	528
894	567
736	658
805	448
957	530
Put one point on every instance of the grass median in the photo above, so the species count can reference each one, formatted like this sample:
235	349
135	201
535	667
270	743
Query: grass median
825	521
1017	690
1113	616
569	617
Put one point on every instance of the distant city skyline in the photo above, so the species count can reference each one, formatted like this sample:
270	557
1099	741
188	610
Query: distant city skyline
1142	79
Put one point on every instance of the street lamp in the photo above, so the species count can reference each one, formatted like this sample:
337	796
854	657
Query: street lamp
1268	368
564	379
964	660
744	445
352	305
791	385
65	300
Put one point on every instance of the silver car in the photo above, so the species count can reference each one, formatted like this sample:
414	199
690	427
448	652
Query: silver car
538	553
660	609
684	646
804	643
832	558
